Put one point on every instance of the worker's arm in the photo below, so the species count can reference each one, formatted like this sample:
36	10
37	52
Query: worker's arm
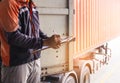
21	40
42	35
53	41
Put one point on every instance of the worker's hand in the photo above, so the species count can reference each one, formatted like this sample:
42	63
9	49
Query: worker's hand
54	41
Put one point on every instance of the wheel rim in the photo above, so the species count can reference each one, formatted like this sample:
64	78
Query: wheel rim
70	79
85	76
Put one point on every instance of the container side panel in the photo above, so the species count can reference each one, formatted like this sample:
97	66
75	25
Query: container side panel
97	22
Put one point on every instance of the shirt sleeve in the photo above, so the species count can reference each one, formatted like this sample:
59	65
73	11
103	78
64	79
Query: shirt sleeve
42	35
9	15
21	40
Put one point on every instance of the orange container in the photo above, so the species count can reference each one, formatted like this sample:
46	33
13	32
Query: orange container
96	22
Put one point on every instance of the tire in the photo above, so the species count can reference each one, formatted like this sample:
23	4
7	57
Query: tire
70	79
85	75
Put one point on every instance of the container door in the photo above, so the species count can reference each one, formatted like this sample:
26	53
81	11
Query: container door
56	16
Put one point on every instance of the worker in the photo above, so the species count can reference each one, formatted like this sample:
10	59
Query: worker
20	35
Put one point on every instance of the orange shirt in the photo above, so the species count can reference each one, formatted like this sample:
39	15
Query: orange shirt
4	48
9	15
9	10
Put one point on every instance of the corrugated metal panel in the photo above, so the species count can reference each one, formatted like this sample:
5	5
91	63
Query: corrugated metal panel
97	21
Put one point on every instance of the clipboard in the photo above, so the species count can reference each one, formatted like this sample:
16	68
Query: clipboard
65	40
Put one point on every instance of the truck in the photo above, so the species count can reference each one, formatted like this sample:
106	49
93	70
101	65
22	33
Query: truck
85	27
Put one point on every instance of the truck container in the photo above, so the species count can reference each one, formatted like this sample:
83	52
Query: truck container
90	24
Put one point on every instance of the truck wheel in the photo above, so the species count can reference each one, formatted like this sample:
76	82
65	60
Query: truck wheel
85	75
70	79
